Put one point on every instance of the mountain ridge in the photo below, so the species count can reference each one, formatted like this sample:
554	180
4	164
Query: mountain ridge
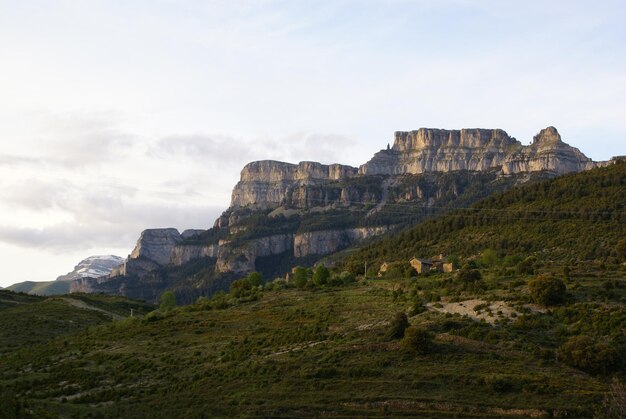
283	213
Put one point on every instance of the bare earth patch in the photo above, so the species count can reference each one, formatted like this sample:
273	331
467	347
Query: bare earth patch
477	309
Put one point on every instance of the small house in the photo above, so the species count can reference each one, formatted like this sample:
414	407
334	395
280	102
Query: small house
421	266
450	267
383	269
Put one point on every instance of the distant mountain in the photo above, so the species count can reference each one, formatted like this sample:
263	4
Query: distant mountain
93	267
41	288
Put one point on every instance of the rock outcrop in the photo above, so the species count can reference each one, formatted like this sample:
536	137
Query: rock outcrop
326	242
156	245
269	183
428	150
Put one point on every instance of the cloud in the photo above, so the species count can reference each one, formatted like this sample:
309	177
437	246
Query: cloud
228	151
15	160
117	228
325	148
222	150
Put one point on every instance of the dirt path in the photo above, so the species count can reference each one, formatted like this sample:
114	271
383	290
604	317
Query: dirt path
82	304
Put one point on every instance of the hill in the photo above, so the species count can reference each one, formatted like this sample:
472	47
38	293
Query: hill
27	319
319	350
41	288
575	219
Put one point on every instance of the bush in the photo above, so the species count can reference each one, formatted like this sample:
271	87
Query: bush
467	275
621	250
417	339
300	276
255	279
547	290
526	267
585	354
168	301
321	275
398	325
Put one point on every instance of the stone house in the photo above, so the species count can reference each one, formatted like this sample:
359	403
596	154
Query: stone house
383	269
421	266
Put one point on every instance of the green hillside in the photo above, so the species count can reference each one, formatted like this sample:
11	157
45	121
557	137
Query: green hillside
26	320
533	325
42	288
301	352
576	218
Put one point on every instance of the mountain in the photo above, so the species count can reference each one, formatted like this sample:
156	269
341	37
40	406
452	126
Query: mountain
41	288
284	214
91	267
427	150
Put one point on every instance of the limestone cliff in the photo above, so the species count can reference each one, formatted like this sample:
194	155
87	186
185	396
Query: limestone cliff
283	214
428	150
270	182
325	242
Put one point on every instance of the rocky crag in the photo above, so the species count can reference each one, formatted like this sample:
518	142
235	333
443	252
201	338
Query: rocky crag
282	214
437	150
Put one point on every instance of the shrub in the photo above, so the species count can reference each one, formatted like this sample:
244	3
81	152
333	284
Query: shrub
467	275
321	275
300	276
547	290
168	301
398	325
526	267
488	258
347	277
417	339
584	353
255	279
621	250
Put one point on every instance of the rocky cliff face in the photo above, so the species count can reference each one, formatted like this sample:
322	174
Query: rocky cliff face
326	242
269	183
428	150
284	213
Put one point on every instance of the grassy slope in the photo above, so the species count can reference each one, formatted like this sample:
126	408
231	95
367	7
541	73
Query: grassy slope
27	320
296	353
42	288
571	218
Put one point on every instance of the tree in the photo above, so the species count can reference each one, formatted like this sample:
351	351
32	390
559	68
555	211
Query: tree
321	275
398	325
467	275
255	279
168	301
488	258
417	339
547	290
586	354
300	276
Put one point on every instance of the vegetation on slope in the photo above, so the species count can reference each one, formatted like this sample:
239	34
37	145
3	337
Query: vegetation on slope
578	217
315	347
42	288
26	320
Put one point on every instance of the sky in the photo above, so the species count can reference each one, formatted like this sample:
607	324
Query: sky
122	115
